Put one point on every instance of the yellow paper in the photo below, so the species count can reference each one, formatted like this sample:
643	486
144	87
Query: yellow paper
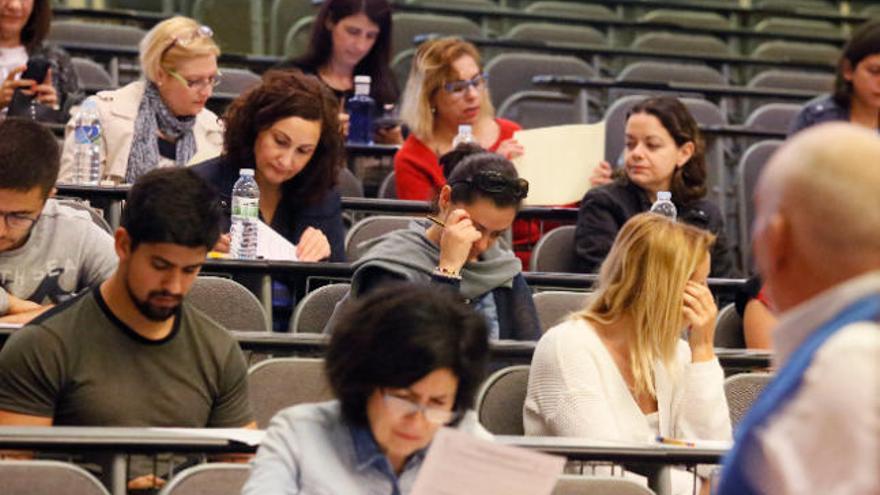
559	161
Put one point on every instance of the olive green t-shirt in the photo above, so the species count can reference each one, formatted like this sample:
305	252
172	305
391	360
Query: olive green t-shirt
82	366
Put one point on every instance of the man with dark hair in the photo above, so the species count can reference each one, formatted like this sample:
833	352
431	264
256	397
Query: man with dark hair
132	352
48	250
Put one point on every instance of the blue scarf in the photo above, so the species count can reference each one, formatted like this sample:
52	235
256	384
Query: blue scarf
735	476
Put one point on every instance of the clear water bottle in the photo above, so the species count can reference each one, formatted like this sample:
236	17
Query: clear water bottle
87	144
245	215
465	135
361	110
664	206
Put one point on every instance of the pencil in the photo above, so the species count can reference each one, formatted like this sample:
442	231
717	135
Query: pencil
675	441
437	222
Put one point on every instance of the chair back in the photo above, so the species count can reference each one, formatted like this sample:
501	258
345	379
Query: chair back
749	169
296	41
348	185
574	9
279	383
729	329
687	18
92	75
794	51
406	26
501	398
554	251
228	303
793	26
214	478
33	477
554	306
598	485
370	228
536	109
775	117
236	27
314	311
556	33
115	35
741	391
388	188
236	81
283	15
512	72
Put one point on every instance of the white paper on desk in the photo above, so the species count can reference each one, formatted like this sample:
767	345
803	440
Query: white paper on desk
273	246
461	464
247	436
558	161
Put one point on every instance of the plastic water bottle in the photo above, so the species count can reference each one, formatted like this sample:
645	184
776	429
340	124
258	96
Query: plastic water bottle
465	135
664	206
361	110
245	215
87	144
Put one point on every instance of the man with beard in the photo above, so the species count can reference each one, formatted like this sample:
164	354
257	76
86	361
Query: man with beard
132	352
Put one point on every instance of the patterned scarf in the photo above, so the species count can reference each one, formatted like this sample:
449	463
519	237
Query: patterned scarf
153	118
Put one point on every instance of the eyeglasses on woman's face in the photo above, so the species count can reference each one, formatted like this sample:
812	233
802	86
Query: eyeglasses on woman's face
459	88
402	406
196	84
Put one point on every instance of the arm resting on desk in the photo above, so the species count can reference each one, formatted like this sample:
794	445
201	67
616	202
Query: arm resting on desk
8	418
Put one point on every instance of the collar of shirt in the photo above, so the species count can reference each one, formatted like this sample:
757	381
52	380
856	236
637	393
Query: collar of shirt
368	454
798	323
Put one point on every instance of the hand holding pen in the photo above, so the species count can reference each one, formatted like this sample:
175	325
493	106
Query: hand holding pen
456	240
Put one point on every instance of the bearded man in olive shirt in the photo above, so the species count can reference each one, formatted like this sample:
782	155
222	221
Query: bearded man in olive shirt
132	352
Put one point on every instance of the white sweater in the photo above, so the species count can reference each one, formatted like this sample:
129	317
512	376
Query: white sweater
576	390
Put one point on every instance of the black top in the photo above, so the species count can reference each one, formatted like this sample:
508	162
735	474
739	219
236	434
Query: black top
341	95
605	209
324	215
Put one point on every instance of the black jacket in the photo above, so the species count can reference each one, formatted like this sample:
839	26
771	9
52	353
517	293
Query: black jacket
605	209
324	215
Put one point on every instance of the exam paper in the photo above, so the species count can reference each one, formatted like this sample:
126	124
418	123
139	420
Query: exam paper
558	161
460	464
273	246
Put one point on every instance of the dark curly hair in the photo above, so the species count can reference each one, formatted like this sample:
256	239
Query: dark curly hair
688	181
395	336
283	94
37	26
865	41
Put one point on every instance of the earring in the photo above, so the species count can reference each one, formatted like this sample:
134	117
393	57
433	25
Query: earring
433	110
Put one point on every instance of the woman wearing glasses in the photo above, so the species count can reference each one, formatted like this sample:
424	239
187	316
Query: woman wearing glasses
446	89
459	251
24	25
404	362
162	120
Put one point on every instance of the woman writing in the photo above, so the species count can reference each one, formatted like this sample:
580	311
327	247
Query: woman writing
24	25
664	152
856	95
404	362
619	370
160	121
459	250
352	38
286	129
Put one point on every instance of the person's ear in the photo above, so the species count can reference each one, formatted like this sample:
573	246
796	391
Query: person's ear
445	199
846	70
328	24
122	243
685	152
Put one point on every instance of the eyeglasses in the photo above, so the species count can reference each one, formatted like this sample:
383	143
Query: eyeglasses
404	407
494	182
187	39
197	84
18	221
459	88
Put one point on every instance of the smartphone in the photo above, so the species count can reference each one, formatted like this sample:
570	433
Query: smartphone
36	70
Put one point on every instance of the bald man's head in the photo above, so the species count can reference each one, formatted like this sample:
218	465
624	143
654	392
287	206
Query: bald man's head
818	208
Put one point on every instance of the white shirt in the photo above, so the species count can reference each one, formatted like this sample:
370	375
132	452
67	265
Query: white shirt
576	390
826	439
10	59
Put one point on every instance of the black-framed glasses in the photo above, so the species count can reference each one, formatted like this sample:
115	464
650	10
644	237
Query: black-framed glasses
458	88
400	406
18	221
490	181
188	38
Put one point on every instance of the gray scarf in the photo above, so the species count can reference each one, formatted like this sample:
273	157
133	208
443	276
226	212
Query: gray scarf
154	117
411	255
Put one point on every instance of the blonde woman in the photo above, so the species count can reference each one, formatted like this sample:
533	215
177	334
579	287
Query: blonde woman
160	120
619	370
446	88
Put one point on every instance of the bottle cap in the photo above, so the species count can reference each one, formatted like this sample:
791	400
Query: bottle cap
246	172
464	129
362	80
664	196
89	104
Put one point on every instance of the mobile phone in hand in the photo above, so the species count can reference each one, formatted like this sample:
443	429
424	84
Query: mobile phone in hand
36	70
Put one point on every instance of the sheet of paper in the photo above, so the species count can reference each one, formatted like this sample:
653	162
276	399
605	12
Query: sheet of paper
559	160
273	246
246	436
460	464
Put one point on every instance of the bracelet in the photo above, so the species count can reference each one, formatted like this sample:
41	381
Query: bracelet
443	272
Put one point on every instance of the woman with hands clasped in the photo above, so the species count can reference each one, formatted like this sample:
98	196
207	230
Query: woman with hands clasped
619	370
459	250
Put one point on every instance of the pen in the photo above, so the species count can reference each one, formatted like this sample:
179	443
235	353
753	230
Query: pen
675	441
437	222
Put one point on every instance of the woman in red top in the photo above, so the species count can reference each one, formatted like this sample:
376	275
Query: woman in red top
446	88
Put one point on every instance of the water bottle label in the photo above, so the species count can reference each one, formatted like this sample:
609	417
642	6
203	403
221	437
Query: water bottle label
245	207
86	134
